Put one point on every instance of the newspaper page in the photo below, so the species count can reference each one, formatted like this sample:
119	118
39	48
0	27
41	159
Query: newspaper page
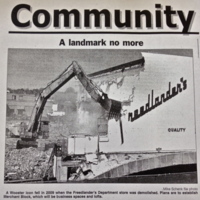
99	99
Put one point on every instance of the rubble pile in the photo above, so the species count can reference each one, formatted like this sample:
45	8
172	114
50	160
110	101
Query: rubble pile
28	163
31	163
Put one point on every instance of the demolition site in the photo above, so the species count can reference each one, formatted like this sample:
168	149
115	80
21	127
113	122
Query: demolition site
49	143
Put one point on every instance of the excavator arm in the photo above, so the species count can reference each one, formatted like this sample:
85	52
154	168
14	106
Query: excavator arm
112	107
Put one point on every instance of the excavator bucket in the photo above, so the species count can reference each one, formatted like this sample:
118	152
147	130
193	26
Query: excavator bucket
115	110
112	106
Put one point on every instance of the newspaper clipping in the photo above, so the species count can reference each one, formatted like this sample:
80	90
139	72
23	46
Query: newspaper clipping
99	99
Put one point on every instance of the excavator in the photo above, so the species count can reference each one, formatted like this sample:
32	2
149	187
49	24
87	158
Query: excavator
38	125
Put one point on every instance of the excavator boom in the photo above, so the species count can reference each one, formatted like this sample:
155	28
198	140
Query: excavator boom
112	107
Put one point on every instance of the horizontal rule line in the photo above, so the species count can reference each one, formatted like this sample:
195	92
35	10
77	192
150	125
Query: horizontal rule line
100	32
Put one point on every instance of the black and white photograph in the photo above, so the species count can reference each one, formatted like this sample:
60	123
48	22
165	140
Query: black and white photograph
130	122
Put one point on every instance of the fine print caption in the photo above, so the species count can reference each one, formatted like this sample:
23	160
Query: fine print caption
98	194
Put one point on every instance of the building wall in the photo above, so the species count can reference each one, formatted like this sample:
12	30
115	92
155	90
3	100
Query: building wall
22	104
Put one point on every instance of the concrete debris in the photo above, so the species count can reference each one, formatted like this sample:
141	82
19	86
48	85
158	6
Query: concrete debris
91	158
28	163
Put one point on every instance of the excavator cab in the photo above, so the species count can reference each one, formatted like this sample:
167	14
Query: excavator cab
43	132
28	139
